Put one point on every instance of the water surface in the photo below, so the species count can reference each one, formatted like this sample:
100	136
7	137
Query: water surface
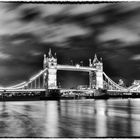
71	118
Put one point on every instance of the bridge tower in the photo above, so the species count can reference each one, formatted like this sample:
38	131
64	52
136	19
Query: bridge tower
96	79
99	72
50	76
91	76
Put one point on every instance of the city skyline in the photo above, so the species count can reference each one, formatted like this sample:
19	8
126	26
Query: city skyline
69	70
75	32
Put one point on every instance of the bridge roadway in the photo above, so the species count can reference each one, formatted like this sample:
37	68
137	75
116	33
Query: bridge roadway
22	90
63	90
39	90
91	90
77	90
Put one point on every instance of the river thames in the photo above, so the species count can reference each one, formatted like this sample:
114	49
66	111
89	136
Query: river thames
71	118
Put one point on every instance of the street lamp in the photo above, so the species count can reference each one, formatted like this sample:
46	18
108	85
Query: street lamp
81	62
71	62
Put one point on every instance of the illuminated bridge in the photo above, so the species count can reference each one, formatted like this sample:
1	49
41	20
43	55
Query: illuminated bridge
46	79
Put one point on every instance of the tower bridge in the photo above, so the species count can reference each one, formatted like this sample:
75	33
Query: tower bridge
46	79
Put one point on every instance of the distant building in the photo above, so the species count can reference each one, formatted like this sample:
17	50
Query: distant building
136	82
121	83
80	87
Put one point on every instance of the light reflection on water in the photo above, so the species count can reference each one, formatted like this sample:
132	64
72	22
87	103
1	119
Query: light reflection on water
71	118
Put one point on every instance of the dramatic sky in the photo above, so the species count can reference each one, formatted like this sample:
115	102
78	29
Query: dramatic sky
76	32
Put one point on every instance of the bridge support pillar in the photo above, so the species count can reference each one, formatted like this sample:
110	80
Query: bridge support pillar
99	72
50	76
90	79
50	62
99	79
45	82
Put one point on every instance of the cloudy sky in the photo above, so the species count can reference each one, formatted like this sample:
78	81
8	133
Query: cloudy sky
76	32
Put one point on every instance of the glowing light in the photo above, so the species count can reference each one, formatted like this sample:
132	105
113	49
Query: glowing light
77	65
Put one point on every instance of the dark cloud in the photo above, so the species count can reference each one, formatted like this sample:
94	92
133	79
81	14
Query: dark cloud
28	15
75	32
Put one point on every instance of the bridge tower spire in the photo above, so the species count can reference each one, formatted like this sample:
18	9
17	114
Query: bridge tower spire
95	60
45	61
50	53
90	64
50	76
90	75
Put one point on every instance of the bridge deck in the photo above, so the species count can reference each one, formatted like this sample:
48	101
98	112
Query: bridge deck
62	90
22	90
